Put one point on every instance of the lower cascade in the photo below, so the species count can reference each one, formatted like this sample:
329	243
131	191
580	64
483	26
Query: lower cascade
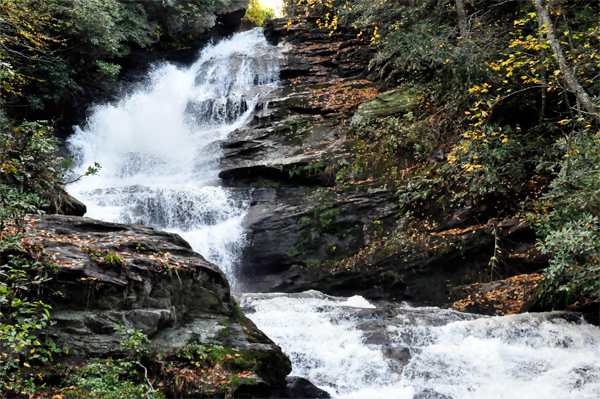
159	152
353	348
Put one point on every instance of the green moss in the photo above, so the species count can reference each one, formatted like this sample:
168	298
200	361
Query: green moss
224	333
236	312
293	251
304	219
263	182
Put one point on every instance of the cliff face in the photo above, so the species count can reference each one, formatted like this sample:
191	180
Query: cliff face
319	222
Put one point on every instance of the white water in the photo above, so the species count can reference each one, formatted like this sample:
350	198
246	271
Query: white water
454	355
159	158
158	152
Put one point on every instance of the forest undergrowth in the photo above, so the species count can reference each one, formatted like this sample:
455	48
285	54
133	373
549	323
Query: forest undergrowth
507	124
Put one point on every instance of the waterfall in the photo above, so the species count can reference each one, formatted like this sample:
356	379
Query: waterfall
159	152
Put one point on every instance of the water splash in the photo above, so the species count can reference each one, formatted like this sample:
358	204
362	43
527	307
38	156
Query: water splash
159	152
332	342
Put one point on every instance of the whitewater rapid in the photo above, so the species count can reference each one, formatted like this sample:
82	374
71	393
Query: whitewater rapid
356	349
159	152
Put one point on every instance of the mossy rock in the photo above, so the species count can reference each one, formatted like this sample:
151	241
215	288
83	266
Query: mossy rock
389	103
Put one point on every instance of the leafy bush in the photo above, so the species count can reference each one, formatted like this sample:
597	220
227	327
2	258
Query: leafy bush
28	161
489	161
49	48
573	275
32	176
103	379
24	276
257	14
567	222
102	28
116	379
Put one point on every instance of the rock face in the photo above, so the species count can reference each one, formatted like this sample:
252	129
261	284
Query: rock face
305	230
298	387
285	159
289	232
146	280
425	269
66	204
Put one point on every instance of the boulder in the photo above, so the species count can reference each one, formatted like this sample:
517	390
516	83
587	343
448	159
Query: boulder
66	204
291	228
301	388
113	274
392	102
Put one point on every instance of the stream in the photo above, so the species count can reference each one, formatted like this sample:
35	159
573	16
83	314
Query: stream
159	151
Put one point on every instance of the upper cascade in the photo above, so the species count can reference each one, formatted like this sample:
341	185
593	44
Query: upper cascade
159	146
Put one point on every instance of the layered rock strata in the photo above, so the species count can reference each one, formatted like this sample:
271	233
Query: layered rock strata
308	231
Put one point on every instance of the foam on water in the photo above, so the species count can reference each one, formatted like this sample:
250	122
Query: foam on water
313	330
158	147
454	355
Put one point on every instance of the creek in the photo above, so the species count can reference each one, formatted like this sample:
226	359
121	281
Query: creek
159	151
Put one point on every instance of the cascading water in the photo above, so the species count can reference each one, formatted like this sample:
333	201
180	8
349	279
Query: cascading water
159	153
355	349
158	147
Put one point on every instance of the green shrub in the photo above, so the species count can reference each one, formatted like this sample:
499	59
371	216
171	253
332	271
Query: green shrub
573	276
116	379
50	48
28	161
103	379
487	162
24	279
257	14
567	222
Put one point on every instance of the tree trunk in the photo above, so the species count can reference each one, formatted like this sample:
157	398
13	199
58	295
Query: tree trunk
569	75
542	70
463	24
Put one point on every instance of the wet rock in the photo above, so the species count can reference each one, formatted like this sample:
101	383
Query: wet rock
66	204
416	273
289	151
297	134
431	394
301	388
286	229
399	357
